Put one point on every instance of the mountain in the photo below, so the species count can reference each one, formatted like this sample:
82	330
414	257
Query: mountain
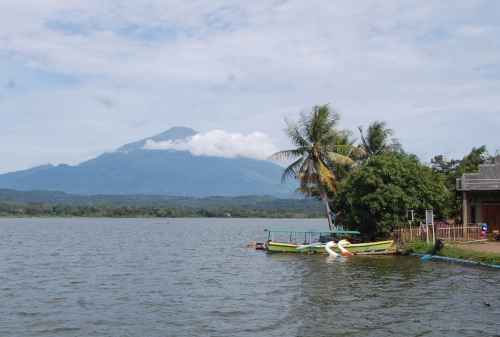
175	133
134	170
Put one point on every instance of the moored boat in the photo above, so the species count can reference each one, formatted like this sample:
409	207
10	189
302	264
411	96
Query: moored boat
313	242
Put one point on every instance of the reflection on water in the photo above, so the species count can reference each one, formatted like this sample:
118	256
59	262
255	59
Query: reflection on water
192	277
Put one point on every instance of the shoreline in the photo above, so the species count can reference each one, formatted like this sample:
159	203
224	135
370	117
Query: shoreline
455	260
459	253
153	217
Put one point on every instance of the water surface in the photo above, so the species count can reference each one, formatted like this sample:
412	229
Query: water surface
194	277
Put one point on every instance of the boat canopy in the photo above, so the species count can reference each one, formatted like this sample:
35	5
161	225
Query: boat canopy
335	231
309	236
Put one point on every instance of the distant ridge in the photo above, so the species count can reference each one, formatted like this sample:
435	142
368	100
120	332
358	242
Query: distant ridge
62	198
175	133
134	170
53	203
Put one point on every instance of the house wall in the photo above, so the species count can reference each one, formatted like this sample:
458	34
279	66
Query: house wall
481	195
485	207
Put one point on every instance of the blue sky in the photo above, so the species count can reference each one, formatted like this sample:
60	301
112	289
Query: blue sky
80	77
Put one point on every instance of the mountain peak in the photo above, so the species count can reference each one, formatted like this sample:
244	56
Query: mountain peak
130	170
174	133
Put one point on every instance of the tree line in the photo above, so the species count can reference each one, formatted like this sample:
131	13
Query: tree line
370	184
241	207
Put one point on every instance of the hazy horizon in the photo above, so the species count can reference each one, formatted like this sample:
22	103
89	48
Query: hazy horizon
79	78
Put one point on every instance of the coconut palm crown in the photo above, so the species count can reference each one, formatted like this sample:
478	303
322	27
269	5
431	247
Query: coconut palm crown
320	150
377	139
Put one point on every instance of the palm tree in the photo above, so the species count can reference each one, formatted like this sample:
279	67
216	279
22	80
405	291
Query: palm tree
377	139
320	150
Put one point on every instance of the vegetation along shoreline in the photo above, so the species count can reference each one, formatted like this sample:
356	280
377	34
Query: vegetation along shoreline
57	204
377	188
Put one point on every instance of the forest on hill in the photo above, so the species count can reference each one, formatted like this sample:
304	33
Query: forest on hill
60	204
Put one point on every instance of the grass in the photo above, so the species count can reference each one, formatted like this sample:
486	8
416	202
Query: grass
417	247
465	254
450	250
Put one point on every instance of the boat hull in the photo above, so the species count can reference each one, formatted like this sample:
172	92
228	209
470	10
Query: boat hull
379	247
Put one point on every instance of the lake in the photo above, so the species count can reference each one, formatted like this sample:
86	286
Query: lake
194	277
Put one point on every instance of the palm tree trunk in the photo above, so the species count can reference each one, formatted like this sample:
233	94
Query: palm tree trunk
324	198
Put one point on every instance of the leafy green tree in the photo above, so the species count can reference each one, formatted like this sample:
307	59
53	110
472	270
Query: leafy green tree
377	194
452	169
470	163
377	139
320	150
442	165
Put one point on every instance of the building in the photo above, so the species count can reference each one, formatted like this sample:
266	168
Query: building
481	195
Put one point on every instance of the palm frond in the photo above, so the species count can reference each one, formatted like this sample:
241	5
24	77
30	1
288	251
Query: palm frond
344	149
288	154
364	143
358	152
339	159
322	152
294	132
308	177
326	176
292	171
319	123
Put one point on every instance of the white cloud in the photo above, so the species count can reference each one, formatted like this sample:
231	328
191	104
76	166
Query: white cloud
220	143
424	67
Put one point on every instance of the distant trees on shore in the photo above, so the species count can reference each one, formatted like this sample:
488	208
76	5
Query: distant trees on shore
240	207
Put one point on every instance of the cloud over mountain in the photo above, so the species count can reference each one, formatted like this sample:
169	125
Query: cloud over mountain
96	70
211	163
220	143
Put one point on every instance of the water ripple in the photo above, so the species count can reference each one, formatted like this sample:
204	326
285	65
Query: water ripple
191	277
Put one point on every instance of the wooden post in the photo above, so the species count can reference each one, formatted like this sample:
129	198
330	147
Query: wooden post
465	208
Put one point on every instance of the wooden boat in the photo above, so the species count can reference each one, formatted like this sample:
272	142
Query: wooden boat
313	242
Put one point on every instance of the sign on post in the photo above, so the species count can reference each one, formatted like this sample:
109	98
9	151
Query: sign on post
429	221
429	217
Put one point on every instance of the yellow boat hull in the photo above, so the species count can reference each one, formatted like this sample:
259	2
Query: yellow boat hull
368	248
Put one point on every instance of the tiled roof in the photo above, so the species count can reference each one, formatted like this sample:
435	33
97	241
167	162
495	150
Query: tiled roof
487	179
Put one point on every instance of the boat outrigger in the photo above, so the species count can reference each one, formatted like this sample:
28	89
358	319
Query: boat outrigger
315	242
